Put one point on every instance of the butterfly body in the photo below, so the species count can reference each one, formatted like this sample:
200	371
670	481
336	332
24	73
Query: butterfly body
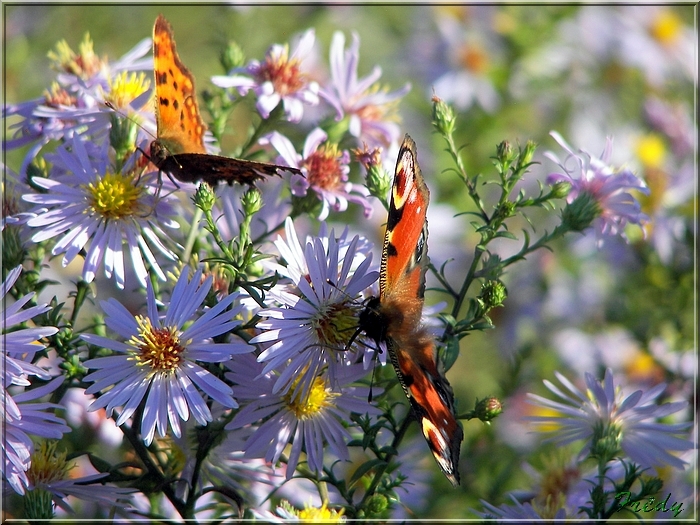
179	147
395	316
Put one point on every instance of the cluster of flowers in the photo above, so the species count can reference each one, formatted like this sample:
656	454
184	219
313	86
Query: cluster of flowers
284	391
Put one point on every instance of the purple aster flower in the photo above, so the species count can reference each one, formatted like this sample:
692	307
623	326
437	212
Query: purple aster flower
658	41
20	415
50	472
520	511
371	110
295	269
311	420
317	315
609	188
23	418
604	415
93	208
75	101
279	78
157	363
325	170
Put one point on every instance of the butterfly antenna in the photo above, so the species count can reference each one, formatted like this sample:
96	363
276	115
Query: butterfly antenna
120	112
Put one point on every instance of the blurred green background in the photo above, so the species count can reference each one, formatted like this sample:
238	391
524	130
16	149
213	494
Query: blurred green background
407	43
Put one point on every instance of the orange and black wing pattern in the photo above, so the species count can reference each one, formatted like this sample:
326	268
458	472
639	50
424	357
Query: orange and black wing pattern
179	147
395	316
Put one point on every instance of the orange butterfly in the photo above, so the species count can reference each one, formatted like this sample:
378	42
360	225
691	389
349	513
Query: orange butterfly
394	317
179	148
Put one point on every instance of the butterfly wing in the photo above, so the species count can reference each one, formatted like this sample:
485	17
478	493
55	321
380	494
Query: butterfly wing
179	148
191	167
180	126
402	285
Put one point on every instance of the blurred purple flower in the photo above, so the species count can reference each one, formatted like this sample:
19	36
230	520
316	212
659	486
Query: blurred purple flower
75	101
609	188
602	413
371	110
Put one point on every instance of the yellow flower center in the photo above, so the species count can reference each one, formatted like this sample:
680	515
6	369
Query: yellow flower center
333	323
643	367
378	113
318	398
116	196
48	465
324	168
666	27
158	348
125	87
320	514
651	150
284	74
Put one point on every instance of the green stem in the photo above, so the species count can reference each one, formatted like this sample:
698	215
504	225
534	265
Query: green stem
398	437
192	236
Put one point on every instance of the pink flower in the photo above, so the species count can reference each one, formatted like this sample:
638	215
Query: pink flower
278	78
371	110
325	170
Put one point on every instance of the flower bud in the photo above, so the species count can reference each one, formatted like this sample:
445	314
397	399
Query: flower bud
376	505
528	153
204	197
579	214
493	293
232	57
443	116
252	201
504	153
488	409
560	189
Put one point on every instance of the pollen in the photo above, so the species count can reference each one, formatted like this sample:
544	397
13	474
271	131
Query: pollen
283	73
666	27
324	167
115	196
47	465
473	58
158	348
318	399
58	96
320	514
125	87
332	324
84	65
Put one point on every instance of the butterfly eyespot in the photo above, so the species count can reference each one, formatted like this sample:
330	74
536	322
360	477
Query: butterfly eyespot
394	317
